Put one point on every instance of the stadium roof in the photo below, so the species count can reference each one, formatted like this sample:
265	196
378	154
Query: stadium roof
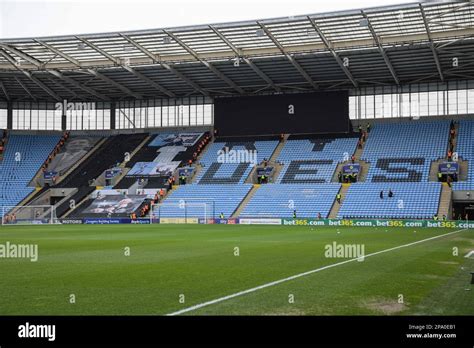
391	45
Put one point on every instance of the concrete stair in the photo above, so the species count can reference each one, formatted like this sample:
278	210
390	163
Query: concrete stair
85	199
358	153
134	152
101	180
271	162
364	170
445	201
463	170
336	206
38	180
278	149
197	164
245	201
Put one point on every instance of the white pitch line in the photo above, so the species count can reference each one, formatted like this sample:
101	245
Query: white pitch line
276	282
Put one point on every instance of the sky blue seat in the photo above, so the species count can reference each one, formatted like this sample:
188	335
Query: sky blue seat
403	152
280	200
216	172
313	160
23	157
202	201
410	200
465	151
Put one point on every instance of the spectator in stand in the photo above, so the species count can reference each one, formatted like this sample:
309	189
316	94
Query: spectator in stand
319	216
353	158
450	155
339	176
368	127
440	177
360	129
390	193
449	180
381	194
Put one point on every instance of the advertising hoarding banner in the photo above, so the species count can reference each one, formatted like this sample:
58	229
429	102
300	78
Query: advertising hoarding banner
260	221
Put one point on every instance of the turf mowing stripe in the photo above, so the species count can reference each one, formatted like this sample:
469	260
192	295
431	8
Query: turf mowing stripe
276	282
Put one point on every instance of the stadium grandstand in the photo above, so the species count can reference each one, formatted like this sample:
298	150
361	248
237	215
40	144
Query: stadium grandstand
332	112
309	165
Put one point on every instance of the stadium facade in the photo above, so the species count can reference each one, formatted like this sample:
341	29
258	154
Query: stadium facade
123	124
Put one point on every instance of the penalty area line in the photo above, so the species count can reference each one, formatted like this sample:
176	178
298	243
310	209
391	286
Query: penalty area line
299	275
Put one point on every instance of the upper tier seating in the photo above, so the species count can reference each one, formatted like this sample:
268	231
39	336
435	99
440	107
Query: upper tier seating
106	156
23	157
465	150
233	170
313	160
279	200
75	148
410	200
203	201
403	152
111	205
110	153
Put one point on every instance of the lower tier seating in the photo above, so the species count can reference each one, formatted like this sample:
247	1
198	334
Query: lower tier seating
22	158
280	200
410	200
202	201
463	186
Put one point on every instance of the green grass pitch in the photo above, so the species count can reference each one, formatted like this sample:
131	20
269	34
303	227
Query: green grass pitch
199	262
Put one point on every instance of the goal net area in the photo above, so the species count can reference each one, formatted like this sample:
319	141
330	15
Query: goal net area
182	211
28	215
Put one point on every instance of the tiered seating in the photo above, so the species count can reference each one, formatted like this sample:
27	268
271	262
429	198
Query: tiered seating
232	173
75	148
105	157
217	198
109	154
158	151
23	156
279	200
313	160
110	205
465	150
403	152
410	200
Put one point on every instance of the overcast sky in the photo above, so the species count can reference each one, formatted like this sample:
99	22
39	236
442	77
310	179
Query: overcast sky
34	18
